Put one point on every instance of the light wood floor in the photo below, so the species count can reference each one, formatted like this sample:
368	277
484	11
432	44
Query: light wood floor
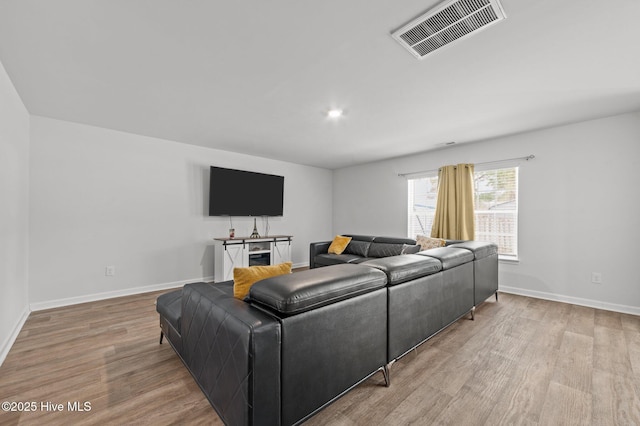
522	361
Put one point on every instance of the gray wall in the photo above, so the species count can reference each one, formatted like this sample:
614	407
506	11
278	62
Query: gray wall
579	206
101	197
14	213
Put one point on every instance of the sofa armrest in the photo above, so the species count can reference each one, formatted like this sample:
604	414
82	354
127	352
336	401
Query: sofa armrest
233	352
316	249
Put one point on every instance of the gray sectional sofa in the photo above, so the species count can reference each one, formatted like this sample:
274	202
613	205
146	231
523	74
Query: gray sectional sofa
363	248
360	249
299	341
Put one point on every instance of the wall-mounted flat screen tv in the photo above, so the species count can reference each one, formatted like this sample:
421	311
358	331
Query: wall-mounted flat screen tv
243	193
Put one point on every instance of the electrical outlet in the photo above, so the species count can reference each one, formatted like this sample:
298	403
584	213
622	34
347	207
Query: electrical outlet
110	271
596	277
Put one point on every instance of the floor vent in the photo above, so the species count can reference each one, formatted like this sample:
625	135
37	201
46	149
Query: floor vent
451	21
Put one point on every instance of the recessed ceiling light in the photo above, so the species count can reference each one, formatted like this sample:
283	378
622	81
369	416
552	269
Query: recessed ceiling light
334	113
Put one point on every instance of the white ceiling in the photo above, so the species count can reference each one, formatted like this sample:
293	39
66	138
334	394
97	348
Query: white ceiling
257	77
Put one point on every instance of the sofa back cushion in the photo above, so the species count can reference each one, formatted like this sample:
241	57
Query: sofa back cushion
411	248
366	238
359	248
384	249
390	246
400	269
450	257
394	240
480	249
310	289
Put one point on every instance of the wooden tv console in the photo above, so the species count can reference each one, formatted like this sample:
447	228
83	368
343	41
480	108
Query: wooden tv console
239	252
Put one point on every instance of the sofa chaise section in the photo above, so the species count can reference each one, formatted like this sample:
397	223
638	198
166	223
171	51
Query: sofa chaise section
295	344
233	352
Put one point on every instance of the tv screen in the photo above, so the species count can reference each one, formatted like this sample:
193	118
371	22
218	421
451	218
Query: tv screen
242	193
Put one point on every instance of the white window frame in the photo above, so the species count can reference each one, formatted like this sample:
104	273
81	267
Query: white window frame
479	168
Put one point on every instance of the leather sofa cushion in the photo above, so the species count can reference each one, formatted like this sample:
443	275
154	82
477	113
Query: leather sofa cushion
406	267
480	249
359	248
363	259
385	249
393	240
313	288
411	248
450	257
365	238
224	288
169	306
326	259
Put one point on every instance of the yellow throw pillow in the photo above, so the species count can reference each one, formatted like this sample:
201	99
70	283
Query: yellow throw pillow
428	242
338	244
244	278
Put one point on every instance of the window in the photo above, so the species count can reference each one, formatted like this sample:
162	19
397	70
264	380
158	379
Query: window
423	194
496	207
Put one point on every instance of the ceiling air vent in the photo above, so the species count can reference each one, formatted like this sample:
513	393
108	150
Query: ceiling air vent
451	21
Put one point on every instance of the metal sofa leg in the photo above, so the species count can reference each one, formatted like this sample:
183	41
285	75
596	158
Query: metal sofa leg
161	336
385	373
496	295
472	312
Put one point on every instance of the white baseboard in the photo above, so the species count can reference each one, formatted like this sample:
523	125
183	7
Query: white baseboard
8	343
633	310
39	306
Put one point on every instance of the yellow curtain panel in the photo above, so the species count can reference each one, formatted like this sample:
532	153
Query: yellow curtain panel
454	217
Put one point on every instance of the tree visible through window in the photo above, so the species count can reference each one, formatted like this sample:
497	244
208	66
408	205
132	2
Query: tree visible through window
496	207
